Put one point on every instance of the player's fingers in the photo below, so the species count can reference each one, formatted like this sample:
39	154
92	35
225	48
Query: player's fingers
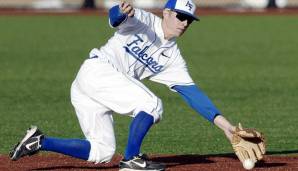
252	155
249	133
127	9
258	152
131	13
125	5
261	145
121	4
245	154
240	156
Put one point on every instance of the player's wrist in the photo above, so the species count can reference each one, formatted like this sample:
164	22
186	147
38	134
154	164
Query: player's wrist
225	126
229	132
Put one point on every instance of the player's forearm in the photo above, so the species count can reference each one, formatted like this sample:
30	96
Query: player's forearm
203	105
222	123
200	102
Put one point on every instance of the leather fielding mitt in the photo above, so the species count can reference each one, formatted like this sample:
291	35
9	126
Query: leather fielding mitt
248	144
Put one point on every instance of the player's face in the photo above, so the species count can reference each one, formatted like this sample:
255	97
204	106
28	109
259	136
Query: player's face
176	22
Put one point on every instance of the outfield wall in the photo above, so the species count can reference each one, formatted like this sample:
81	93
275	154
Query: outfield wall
139	3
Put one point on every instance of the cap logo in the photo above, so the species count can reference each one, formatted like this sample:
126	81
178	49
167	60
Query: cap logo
189	5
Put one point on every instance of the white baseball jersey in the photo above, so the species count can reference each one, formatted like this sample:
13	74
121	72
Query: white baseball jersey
138	48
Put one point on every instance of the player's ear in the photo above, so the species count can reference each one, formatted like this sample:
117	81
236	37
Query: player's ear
166	13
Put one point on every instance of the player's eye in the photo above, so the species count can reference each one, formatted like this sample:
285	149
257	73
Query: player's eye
182	17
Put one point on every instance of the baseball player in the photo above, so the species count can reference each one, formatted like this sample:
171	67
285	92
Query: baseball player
109	81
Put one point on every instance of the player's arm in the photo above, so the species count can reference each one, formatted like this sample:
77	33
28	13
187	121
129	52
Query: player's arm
248	144
201	103
195	98
120	13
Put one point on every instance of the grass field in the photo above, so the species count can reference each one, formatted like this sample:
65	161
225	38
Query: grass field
246	64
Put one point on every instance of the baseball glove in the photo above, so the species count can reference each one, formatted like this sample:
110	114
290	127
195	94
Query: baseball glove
248	144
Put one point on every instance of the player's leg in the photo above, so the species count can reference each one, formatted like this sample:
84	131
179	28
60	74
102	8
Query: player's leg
95	120
123	95
35	141
139	127
133	159
96	123
147	111
78	148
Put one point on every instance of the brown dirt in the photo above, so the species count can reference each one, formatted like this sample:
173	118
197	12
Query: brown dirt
225	162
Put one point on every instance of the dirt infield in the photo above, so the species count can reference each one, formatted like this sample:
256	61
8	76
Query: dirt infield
174	163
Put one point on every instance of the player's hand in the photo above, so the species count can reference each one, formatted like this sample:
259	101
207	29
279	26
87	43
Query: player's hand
127	8
248	144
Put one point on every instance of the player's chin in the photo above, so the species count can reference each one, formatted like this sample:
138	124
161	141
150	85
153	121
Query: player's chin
178	32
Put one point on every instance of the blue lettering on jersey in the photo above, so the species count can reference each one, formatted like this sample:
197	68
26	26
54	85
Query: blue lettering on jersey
134	50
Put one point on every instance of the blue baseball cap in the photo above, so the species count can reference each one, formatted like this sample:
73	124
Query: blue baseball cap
187	7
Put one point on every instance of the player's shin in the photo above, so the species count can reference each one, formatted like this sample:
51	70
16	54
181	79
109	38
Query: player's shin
138	129
72	147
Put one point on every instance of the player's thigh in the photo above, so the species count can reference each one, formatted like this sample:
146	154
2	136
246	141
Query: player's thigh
126	94
95	119
115	90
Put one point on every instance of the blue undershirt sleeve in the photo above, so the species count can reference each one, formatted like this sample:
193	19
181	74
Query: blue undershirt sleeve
195	98
116	17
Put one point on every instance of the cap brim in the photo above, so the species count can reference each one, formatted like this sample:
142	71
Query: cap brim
183	12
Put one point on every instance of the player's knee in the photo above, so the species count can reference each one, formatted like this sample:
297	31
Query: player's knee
74	94
153	107
108	155
101	153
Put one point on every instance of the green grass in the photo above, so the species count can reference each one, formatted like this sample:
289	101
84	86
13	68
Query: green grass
246	64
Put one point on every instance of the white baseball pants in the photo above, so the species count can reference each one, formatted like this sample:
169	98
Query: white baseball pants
98	90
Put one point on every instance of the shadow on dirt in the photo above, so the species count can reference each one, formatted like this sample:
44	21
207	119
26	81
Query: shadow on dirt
179	160
77	168
282	152
182	160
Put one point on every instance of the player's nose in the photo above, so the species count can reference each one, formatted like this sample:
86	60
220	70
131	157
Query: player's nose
184	23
